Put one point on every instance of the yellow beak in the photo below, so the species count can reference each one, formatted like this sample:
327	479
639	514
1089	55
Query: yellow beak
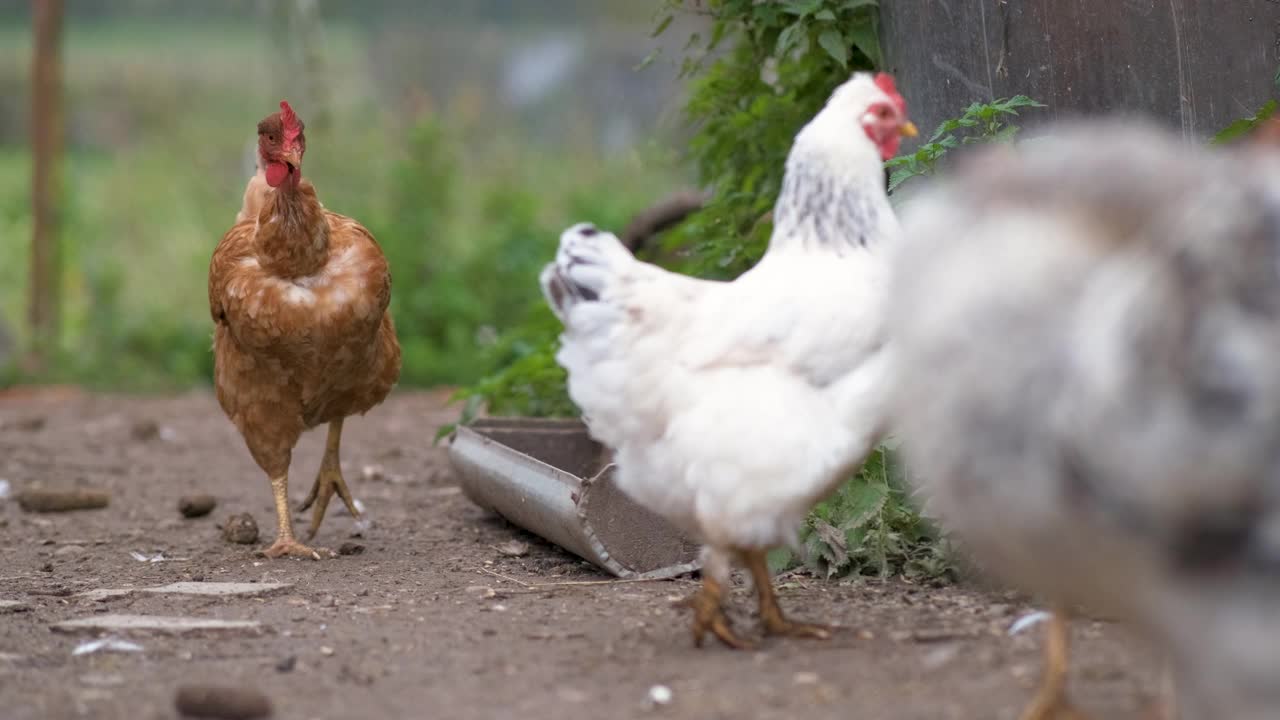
908	129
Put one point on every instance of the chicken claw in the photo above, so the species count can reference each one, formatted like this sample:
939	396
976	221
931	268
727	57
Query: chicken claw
286	544
775	623
288	547
709	616
328	481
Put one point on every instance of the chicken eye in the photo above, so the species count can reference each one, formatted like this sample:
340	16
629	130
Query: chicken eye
884	113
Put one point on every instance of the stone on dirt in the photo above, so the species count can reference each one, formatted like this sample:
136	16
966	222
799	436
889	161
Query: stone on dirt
194	506
242	529
155	624
220	701
46	501
219	589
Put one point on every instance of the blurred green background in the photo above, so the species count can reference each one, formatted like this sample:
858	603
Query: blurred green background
465	135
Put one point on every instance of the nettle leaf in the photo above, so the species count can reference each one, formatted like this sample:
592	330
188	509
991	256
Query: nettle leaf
829	544
855	4
1006	134
802	7
867	39
648	59
663	24
863	501
1244	126
1017	101
788	38
979	123
824	15
833	42
780	559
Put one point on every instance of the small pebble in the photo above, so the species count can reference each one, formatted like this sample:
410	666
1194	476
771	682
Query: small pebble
326	650
350	548
45	501
805	678
69	551
287	664
194	506
242	529
225	703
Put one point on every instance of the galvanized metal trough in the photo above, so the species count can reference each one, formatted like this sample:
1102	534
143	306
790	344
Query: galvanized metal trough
550	478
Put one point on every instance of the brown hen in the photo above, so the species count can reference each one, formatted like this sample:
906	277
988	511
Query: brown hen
302	335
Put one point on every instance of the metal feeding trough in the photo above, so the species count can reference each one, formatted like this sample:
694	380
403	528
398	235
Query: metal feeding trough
550	478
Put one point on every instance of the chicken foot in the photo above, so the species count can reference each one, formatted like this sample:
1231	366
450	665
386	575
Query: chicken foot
709	616
286	544
775	623
1050	702
328	481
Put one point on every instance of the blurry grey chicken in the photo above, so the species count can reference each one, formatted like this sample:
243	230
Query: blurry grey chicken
1090	327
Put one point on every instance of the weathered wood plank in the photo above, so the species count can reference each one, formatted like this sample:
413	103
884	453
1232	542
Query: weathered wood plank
1194	64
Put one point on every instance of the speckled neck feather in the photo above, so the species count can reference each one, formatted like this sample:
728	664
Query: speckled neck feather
293	234
823	206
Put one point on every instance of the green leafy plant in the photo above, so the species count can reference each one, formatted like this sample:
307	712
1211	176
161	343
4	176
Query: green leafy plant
980	122
870	526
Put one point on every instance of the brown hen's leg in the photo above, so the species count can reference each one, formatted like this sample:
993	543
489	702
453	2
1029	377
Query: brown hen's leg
285	543
770	614
328	481
708	615
1050	702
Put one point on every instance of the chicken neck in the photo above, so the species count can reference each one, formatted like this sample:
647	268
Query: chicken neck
293	233
831	201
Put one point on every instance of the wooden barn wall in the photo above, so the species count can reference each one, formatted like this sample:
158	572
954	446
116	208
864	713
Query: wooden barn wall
1195	64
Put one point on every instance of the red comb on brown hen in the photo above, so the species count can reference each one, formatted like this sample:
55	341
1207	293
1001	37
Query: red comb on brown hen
292	125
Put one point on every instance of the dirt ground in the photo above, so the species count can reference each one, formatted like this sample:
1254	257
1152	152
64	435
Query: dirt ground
422	623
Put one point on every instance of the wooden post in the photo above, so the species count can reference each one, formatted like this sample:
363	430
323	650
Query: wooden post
46	148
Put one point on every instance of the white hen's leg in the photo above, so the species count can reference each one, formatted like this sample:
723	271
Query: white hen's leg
708	602
775	623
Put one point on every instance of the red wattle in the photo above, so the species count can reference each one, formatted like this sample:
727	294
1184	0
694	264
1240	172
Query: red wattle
889	147
276	173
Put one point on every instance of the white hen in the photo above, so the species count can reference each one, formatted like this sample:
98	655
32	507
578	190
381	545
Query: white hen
734	407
